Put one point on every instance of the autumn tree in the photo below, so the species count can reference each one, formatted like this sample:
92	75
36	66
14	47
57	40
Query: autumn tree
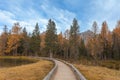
51	37
42	45
66	46
116	42
3	41
93	42
74	37
104	41
60	45
14	39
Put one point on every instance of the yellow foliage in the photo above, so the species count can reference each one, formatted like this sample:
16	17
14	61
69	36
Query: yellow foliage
13	42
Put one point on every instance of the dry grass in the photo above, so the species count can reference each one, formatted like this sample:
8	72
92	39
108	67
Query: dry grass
98	73
34	71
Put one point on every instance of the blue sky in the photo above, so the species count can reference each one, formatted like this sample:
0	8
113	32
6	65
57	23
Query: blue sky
28	12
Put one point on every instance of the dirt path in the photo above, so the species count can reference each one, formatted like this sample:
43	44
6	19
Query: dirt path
63	72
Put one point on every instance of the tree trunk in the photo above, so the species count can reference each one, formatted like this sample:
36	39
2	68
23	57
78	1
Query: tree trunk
51	54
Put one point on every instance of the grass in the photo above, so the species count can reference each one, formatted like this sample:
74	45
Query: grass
19	57
98	70
98	73
34	71
112	64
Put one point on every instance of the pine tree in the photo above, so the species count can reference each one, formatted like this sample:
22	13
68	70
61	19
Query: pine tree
35	41
25	43
51	37
82	49
74	37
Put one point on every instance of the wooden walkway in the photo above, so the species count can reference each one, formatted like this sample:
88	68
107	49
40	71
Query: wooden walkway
63	72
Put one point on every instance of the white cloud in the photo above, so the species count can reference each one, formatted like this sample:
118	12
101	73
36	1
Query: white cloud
30	24
63	18
28	17
106	5
1	29
6	17
105	10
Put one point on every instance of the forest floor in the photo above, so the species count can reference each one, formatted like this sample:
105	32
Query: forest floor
33	71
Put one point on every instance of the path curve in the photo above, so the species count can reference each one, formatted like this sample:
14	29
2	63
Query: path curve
63	72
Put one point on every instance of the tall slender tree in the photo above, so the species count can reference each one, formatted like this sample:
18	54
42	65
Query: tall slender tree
116	42
3	41
94	41
95	28
74	38
66	46
104	40
51	37
35	40
25	42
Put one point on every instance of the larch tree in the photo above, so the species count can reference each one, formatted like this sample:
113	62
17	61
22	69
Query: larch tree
3	41
66	46
104	41
94	41
14	39
116	42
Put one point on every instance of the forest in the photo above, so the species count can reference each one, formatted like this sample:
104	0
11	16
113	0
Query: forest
102	45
